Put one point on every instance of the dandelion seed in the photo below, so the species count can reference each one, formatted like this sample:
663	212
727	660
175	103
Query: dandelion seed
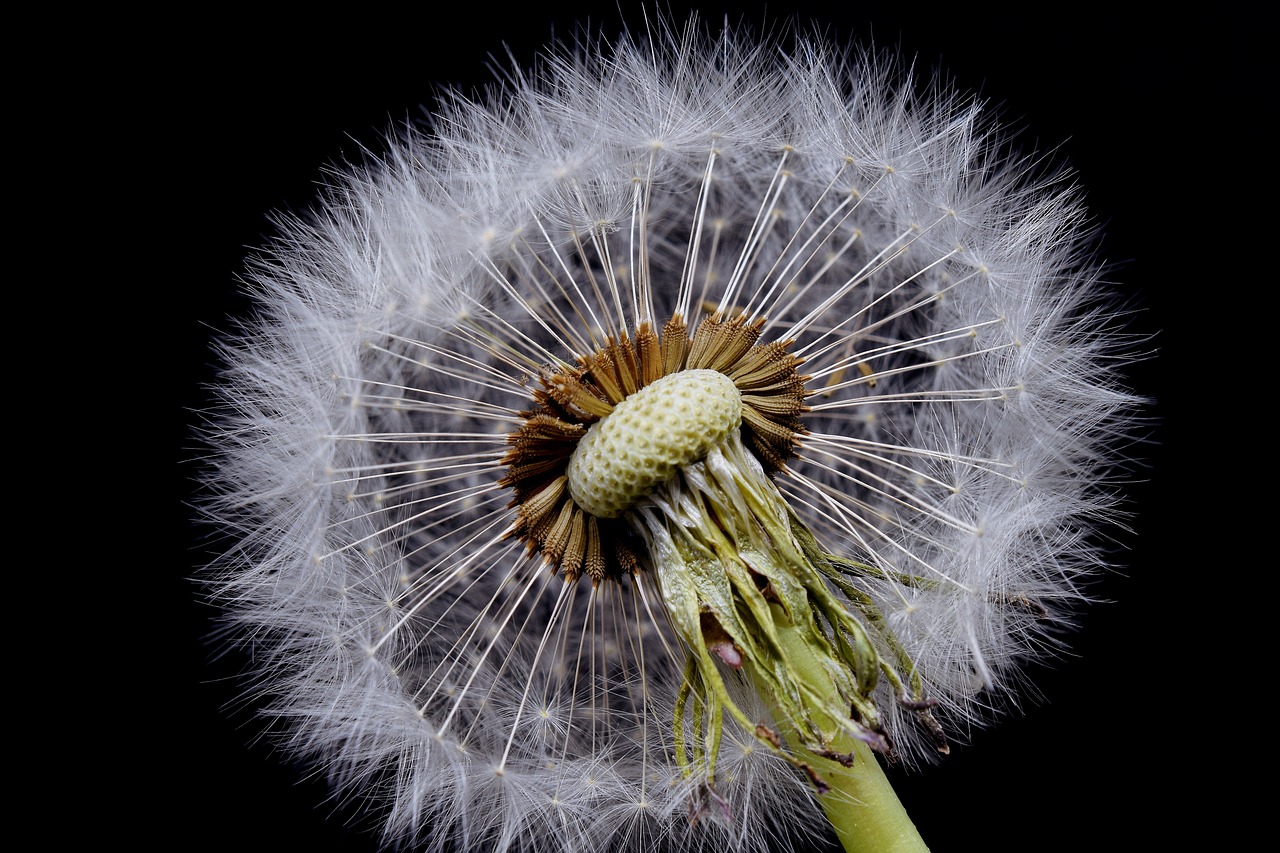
667	434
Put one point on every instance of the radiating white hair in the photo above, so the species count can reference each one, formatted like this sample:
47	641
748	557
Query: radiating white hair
965	420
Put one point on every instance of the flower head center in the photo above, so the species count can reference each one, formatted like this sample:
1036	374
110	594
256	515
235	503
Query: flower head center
641	443
600	437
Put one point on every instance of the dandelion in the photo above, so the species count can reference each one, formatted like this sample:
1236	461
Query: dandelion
632	456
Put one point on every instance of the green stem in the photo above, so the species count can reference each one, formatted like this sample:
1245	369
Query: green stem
863	807
860	803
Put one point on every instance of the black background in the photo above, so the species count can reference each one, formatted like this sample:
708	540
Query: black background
252	110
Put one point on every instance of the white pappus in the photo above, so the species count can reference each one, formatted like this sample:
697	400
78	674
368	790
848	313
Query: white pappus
918	363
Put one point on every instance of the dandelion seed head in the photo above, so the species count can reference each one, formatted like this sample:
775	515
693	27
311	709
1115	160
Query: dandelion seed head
685	294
